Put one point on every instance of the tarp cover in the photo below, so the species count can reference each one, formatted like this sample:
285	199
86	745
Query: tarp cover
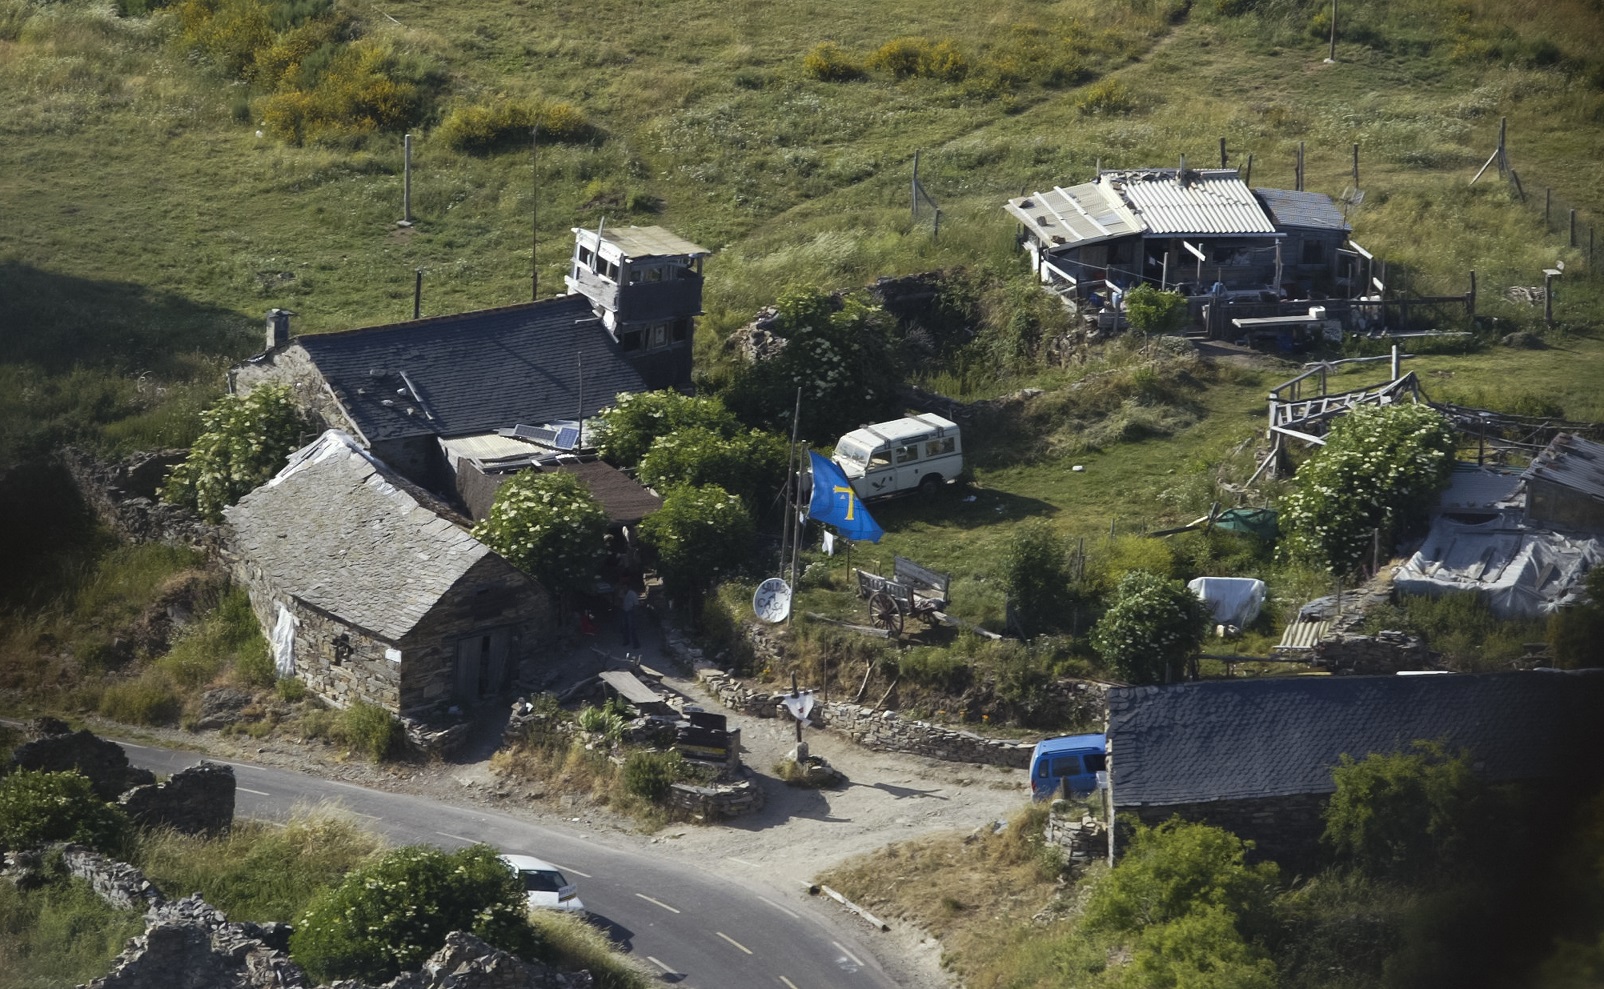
1232	600
1523	572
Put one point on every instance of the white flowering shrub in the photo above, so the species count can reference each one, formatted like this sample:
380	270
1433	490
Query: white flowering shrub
625	431
1382	468
750	465
388	917
698	534
549	526
246	441
1153	630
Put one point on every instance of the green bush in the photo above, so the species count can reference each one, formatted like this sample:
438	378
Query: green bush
59	934
828	62
624	431
1108	98
1153	311
37	808
246	442
482	128
649	775
371	730
749	465
1404	815
1153	631
1036	575
386	918
548	525
904	58
699	534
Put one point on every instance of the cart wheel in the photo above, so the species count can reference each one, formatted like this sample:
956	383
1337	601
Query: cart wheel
884	613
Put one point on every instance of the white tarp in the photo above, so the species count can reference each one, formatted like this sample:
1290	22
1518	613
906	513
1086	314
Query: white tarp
1232	600
1524	572
284	642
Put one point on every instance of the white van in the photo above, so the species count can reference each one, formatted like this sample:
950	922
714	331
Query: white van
921	452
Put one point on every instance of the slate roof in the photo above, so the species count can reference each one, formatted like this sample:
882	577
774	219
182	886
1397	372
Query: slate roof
1571	462
1305	210
623	498
1242	739
473	372
338	531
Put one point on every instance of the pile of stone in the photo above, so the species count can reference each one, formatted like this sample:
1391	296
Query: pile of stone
1385	652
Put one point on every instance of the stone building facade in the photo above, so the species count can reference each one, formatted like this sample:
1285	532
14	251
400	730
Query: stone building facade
367	590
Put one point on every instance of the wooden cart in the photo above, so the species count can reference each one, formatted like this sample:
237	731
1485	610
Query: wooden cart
911	591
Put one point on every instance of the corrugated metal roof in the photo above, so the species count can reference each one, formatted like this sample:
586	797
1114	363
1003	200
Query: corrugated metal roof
1256	738
645	242
1211	201
1306	210
1570	462
1079	215
1301	635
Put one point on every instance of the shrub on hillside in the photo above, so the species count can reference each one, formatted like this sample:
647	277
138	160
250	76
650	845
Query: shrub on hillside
148	700
1153	631
624	431
1108	98
1404	815
482	128
37	808
1036	575
361	90
246	442
371	730
904	58
749	465
829	62
1153	311
699	534
388	917
649	775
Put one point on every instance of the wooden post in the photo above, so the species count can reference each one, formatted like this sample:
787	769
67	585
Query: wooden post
417	293
1300	166
916	185
1397	365
1248	178
1222	152
1164	276
1356	167
1548	202
534	212
1332	57
1503	157
1573	228
406	180
1548	296
1589	250
1470	297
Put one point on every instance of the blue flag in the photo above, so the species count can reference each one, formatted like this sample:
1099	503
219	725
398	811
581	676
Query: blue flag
836	503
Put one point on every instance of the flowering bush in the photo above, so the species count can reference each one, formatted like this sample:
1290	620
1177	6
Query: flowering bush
1154	628
750	465
246	442
388	917
625	431
549	526
1381	468
698	534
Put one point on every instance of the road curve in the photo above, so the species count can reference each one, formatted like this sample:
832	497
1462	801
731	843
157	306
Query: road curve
688	926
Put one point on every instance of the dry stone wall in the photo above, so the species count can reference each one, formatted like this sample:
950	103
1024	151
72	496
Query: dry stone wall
124	496
1084	839
54	749
198	800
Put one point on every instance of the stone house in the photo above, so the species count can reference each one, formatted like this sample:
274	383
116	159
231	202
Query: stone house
534	370
1254	756
367	589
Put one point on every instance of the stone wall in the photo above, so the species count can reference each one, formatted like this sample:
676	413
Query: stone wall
54	749
118	883
290	365
714	803
882	730
198	800
124	496
1286	829
1084	839
1384	653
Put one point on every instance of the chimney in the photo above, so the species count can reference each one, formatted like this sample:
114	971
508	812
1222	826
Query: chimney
278	327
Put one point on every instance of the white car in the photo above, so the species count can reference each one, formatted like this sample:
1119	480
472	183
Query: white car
545	886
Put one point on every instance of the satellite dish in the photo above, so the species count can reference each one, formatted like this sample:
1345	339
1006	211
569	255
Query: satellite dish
772	602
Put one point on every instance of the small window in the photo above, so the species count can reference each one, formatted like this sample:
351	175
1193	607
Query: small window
587	257
939	447
635	276
1066	765
1096	762
630	340
880	458
659	334
682	329
654	274
908	454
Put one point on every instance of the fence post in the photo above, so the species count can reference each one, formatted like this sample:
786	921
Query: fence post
1573	228
1356	167
1548	201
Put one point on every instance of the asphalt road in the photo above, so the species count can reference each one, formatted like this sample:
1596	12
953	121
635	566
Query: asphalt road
690	927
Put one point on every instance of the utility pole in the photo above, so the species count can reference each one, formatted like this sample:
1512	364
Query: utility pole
1332	58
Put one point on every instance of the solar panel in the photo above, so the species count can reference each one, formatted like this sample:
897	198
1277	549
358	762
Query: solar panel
556	437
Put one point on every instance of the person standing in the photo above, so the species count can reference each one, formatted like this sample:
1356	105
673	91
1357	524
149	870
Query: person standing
626	610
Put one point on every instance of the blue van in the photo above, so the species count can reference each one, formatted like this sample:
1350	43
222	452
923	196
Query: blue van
1067	765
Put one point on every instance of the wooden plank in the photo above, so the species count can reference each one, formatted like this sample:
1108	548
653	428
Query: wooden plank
630	688
910	572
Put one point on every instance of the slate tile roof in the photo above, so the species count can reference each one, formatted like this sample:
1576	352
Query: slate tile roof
341	533
474	372
1241	739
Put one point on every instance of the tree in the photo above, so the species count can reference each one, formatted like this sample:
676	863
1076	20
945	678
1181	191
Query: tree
1153	630
839	352
549	526
37	808
1404	815
1194	910
750	465
625	431
1036	574
1153	311
246	441
1381	468
698	534
388	917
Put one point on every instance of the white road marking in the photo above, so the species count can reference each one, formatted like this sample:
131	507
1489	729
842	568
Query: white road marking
660	903
788	982
843	948
750	865
246	789
776	906
131	745
661	965
371	817
455	837
731	940
564	868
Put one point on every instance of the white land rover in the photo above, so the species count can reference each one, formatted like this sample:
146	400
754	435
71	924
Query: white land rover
921	452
